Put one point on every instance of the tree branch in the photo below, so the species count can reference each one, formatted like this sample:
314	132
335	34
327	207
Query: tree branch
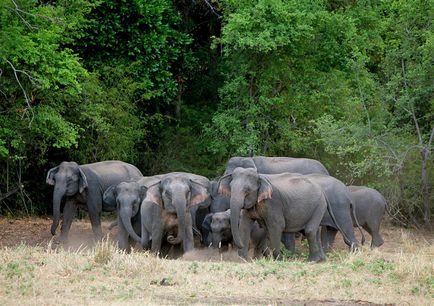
212	9
26	98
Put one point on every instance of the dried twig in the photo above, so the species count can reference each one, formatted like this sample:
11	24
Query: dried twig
212	9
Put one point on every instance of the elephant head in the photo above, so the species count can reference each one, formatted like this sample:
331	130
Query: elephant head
126	197
68	180
242	162
221	228
176	193
246	188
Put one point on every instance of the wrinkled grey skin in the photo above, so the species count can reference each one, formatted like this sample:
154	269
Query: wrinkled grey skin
340	201
219	226
370	208
343	208
219	203
280	203
83	186
174	194
277	165
127	197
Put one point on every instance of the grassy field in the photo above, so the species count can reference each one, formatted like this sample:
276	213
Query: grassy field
400	272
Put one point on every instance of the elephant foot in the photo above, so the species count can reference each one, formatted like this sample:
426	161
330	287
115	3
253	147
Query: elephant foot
243	254
316	258
377	243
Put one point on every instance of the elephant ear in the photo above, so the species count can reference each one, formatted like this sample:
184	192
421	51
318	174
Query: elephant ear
83	181
109	197
199	192
224	187
143	190
153	194
214	188
265	189
50	176
206	224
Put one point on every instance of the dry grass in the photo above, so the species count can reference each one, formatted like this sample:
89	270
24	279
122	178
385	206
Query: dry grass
400	273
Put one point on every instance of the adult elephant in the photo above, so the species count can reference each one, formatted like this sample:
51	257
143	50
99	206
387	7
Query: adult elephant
83	186
343	208
173	194
127	197
280	203
370	207
219	226
276	165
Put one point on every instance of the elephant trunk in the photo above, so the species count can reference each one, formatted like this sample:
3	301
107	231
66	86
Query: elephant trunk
125	214
236	206
181	206
58	194
216	240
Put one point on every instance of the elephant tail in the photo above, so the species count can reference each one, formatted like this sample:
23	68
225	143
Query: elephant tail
353	212
332	215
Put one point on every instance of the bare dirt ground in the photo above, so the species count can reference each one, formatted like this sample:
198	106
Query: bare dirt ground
35	231
398	273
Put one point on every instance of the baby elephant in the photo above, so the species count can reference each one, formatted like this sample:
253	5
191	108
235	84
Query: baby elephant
127	198
218	225
370	206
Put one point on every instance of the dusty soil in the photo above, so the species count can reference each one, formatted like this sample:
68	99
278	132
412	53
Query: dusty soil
35	231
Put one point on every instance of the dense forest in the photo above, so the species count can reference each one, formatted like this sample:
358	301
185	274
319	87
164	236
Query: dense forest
183	85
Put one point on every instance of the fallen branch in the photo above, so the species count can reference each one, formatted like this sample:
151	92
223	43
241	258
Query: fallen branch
9	193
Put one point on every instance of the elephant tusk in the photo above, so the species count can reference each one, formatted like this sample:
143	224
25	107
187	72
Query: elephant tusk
220	245
210	245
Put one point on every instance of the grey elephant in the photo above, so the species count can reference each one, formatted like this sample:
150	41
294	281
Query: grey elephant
127	197
172	197
218	203
370	207
83	186
280	203
343	208
276	165
219	226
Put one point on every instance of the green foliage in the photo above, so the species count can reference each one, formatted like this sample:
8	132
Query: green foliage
178	86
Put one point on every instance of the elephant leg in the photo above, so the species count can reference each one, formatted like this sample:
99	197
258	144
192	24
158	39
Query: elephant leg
311	232
157	239
274	234
328	235
318	240
193	211
188	242
288	239
94	206
343	217
245	226
69	212
122	237
373	228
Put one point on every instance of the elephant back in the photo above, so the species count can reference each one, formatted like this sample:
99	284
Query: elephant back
104	174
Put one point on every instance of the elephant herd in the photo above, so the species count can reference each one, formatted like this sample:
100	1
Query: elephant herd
258	202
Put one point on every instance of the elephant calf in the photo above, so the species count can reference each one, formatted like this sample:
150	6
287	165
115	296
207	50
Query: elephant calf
127	197
219	227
